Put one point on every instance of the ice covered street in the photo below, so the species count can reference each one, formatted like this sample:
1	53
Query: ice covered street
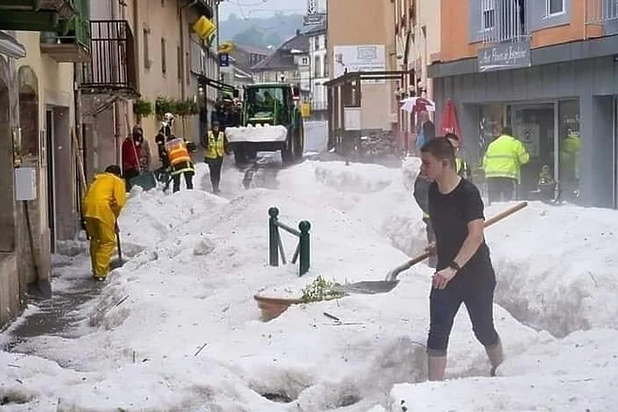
177	329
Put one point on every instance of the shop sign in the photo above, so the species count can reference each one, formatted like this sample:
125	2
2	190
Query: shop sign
504	56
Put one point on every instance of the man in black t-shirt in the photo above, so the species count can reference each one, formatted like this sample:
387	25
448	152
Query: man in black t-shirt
464	271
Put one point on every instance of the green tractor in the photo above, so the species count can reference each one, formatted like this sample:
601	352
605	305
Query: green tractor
270	121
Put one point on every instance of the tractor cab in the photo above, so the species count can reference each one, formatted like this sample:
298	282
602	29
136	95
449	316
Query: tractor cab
268	104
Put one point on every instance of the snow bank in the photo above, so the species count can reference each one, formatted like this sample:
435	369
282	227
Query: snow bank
574	374
361	178
177	327
565	279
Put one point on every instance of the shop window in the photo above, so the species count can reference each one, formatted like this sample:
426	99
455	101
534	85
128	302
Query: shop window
569	147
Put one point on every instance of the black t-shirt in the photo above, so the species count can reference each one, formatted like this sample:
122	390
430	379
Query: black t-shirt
450	214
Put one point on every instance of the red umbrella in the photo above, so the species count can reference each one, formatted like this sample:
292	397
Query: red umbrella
449	122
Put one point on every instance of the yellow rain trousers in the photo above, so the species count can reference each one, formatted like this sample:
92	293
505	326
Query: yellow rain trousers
103	202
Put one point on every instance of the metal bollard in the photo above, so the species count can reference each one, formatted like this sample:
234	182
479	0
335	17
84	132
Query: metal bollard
273	236
305	246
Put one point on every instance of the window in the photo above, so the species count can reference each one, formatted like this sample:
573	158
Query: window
145	34
555	7
163	57
304	61
326	68
489	14
317	67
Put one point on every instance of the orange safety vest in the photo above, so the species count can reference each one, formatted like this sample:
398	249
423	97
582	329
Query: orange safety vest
177	151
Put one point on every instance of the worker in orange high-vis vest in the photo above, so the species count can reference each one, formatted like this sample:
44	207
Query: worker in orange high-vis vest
101	207
178	150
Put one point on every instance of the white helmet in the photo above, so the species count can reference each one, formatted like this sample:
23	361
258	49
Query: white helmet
168	117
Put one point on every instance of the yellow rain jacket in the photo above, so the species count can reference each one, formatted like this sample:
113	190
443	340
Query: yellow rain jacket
105	198
504	158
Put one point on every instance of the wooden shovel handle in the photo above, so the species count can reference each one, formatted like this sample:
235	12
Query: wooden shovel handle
494	219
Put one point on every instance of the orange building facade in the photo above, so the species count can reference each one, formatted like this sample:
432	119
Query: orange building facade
549	70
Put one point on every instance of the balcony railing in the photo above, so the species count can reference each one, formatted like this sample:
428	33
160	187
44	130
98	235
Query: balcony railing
112	67
504	21
601	11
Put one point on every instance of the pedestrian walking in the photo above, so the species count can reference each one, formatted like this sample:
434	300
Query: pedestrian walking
464	272
215	151
101	207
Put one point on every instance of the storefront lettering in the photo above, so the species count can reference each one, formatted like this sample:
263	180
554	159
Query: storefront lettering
504	56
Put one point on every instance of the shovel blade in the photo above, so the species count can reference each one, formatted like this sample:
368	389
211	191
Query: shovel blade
369	287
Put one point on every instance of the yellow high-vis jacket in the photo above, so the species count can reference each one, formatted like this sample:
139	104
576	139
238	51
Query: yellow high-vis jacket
504	158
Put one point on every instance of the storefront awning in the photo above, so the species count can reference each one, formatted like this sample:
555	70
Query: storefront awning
11	47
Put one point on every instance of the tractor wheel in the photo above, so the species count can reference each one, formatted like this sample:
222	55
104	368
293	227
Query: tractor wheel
299	146
287	153
239	157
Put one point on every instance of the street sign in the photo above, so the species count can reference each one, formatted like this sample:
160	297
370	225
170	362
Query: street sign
224	60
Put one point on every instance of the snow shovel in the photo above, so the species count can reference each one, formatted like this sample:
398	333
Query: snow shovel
120	262
392	275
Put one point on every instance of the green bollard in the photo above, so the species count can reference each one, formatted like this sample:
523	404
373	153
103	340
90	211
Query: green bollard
305	246
273	235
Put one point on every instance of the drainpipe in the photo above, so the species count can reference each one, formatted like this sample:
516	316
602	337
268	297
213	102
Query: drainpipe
183	47
136	32
117	109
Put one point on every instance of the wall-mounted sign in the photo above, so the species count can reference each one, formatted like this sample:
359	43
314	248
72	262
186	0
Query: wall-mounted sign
224	60
360	58
504	56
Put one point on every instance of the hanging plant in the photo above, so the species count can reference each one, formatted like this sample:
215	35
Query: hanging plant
142	108
185	108
164	105
182	108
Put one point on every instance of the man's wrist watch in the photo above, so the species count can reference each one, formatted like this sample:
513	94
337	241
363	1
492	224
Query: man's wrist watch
455	266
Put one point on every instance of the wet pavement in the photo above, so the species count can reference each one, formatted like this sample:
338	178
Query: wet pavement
59	315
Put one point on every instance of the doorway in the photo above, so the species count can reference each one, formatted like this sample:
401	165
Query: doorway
51	188
535	126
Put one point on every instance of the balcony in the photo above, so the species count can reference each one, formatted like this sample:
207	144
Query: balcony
35	15
504	21
603	13
112	66
70	41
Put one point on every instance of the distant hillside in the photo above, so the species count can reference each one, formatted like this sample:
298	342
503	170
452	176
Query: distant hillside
261	32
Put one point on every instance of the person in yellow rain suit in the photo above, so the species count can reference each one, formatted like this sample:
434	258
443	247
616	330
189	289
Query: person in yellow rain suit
502	165
101	207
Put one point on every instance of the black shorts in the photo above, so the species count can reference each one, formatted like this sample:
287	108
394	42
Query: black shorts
474	287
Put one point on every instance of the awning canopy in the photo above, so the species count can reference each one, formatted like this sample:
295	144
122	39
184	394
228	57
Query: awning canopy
10	47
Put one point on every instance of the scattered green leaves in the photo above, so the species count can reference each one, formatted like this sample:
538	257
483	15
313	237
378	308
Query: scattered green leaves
321	289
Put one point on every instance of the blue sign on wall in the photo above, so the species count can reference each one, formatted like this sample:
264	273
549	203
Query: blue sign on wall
224	60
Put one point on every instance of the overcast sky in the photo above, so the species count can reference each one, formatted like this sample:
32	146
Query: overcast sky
262	8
